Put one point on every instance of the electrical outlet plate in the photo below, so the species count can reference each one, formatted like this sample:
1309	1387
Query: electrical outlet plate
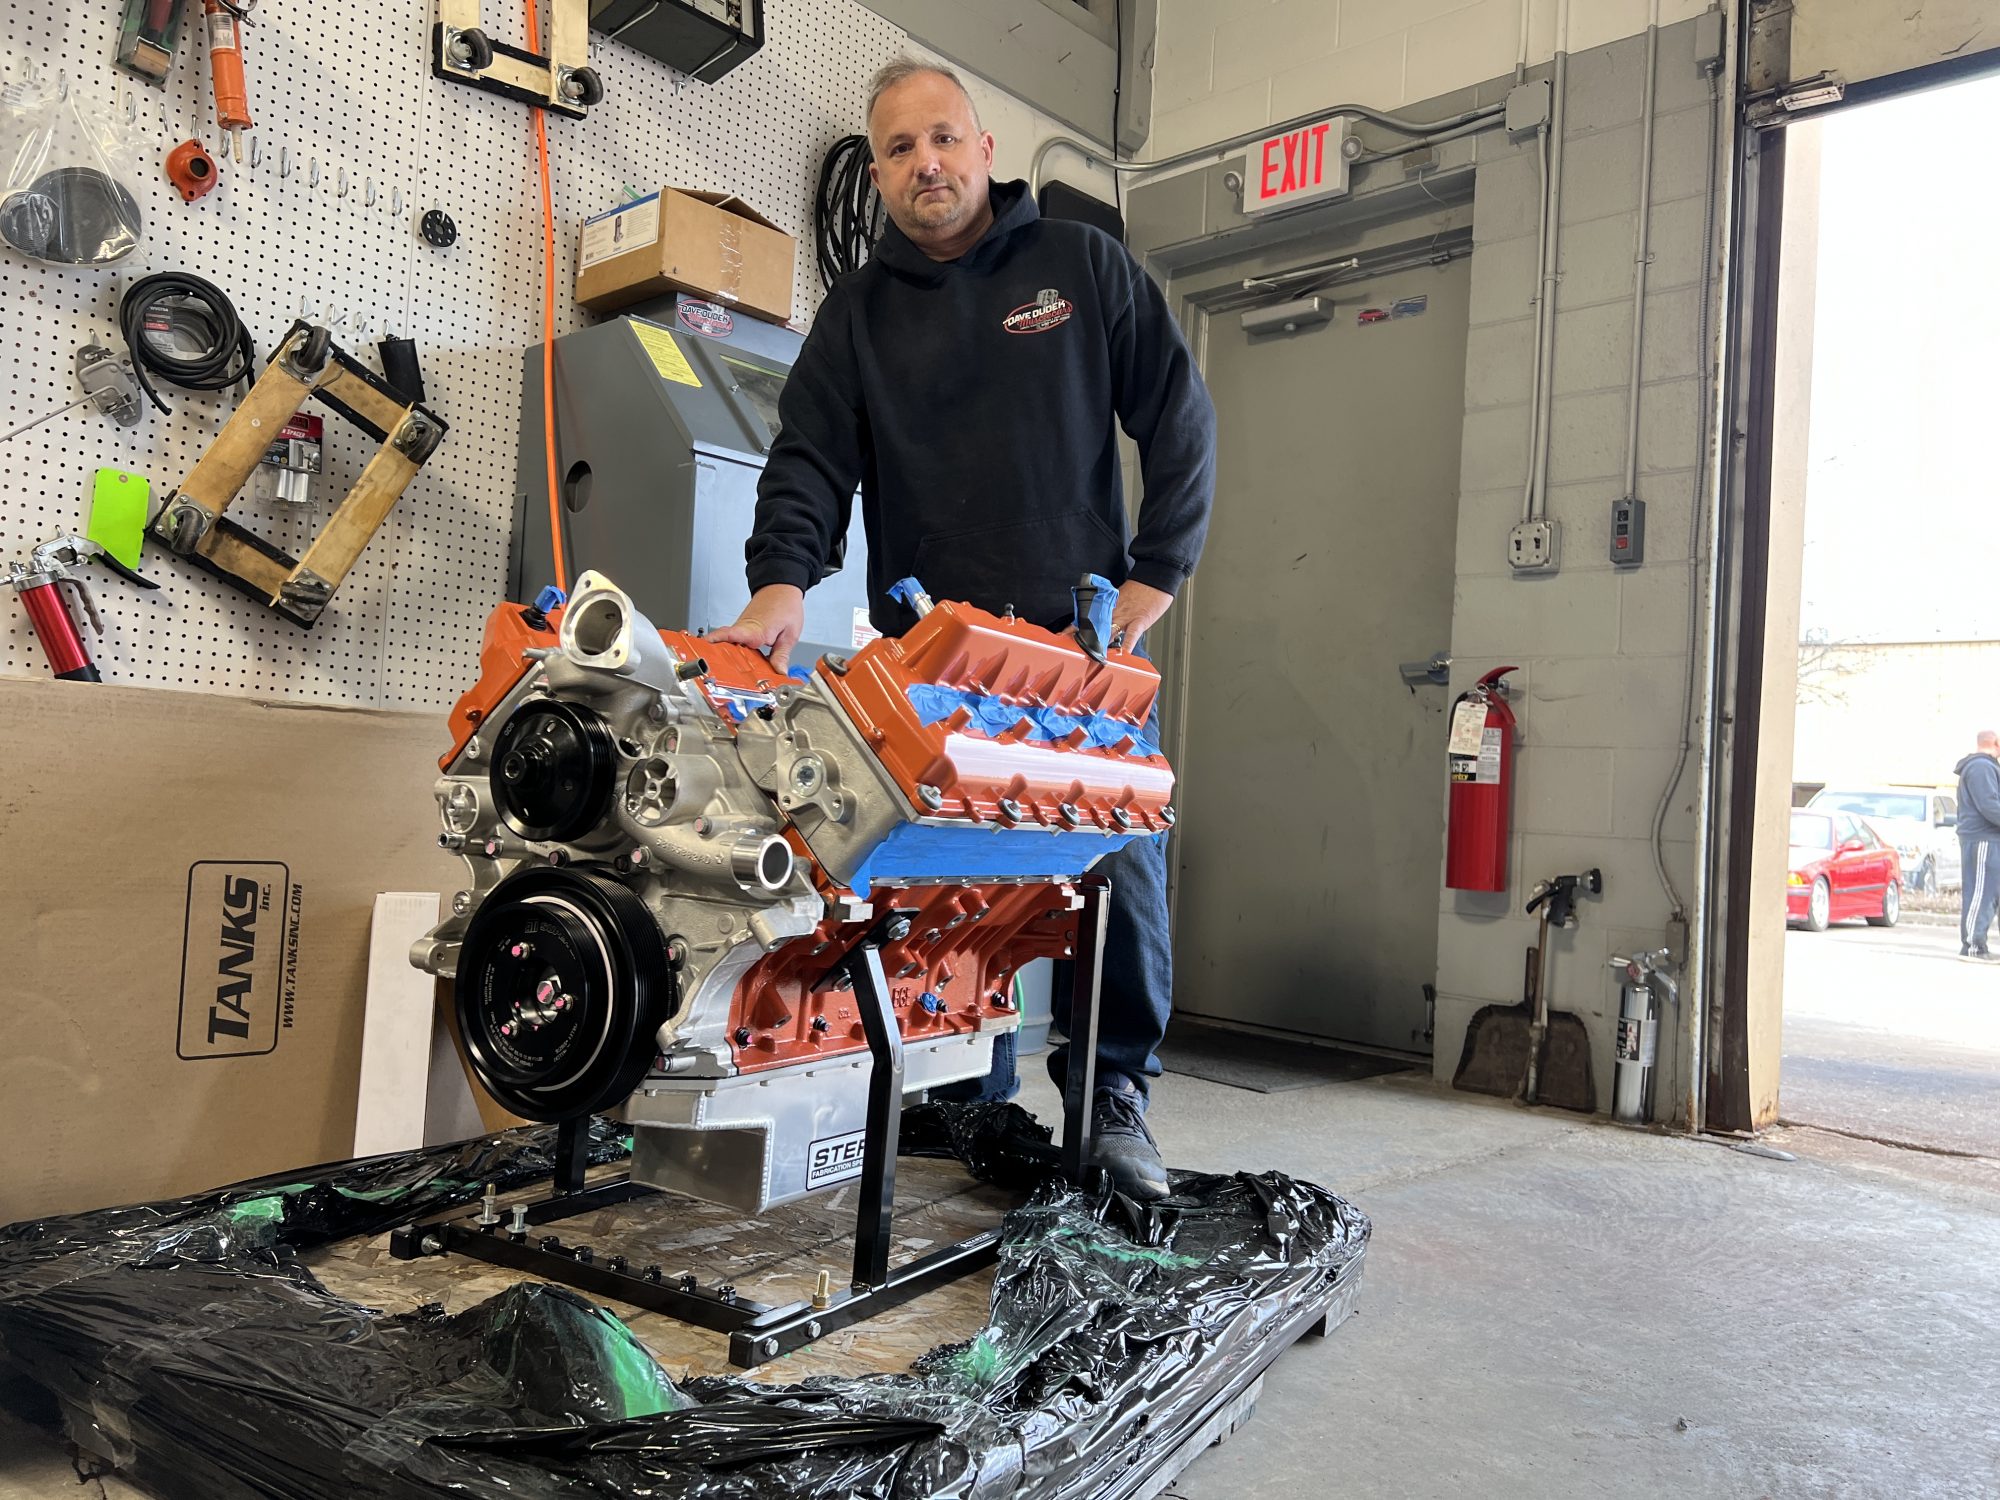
1534	547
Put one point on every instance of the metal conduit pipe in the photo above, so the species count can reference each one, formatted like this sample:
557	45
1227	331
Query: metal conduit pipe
1435	138
1181	158
1644	255
1551	259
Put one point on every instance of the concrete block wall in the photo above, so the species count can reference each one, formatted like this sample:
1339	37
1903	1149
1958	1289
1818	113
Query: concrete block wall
1602	651
1226	66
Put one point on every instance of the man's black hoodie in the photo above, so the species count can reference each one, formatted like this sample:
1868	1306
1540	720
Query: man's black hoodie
1978	797
973	401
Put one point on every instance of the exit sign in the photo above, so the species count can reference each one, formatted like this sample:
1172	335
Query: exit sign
1296	166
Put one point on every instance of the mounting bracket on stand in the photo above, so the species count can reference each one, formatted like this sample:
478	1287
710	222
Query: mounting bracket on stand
564	81
758	1331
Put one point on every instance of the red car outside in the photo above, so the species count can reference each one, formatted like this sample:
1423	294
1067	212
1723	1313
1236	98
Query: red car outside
1839	868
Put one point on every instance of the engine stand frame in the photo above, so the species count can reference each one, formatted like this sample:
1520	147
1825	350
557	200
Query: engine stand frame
760	1331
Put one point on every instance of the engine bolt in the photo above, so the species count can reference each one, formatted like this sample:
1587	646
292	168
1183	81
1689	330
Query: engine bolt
677	951
506	1028
1121	817
615	1263
652	1273
559	857
461	902
1010	809
451	841
585	1255
930	796
1068	811
932	1002
725	1293
492	848
561	1002
552	1244
1168	817
743	1036
520	1225
898	930
819	1023
545	991
1002	1000
520	950
689	1283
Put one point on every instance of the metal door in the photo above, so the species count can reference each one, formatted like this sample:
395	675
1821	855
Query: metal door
1311	842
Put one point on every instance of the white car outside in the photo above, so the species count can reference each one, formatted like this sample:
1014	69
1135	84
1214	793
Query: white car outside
1920	823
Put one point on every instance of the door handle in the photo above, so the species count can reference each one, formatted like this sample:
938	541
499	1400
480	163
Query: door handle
1436	671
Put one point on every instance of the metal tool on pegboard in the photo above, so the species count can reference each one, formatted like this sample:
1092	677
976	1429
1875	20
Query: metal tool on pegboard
225	20
564	81
307	365
48	584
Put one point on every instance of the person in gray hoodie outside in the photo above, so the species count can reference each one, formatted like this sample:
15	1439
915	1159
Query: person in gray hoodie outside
1979	843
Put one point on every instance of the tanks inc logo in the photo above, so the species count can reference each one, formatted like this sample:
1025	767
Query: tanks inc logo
1050	309
239	958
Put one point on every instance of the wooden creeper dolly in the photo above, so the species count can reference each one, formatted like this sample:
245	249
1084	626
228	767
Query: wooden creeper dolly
306	366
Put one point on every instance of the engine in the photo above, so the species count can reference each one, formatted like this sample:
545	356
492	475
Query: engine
672	851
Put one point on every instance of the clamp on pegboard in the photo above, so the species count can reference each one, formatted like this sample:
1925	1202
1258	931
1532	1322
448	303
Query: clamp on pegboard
307	365
564	81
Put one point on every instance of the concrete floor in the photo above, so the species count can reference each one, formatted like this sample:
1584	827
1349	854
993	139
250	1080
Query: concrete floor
1556	1307
1888	1034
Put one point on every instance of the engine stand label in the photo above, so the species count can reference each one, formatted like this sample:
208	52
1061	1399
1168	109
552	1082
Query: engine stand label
835	1158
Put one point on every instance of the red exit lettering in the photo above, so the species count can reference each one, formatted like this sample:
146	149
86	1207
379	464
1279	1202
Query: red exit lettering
1294	162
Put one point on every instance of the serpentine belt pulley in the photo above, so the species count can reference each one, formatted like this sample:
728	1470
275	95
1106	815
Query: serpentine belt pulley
552	770
563	984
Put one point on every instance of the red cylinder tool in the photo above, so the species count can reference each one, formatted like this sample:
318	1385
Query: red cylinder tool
1481	759
45	585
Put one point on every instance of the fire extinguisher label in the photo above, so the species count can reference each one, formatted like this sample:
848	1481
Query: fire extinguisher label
1468	720
1488	773
1637	1042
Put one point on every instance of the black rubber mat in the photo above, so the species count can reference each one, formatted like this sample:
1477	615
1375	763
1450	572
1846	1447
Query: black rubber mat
1264	1065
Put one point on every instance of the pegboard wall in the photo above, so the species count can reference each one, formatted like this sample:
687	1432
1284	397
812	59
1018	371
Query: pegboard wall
354	140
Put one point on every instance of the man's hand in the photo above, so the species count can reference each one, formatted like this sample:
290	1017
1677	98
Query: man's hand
772	619
1138	606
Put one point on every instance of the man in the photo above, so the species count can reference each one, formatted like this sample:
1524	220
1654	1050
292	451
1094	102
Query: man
1978	844
967	380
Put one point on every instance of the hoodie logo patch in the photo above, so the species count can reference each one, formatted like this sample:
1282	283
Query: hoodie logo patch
1050	309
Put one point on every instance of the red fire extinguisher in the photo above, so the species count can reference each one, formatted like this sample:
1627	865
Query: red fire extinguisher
1481	757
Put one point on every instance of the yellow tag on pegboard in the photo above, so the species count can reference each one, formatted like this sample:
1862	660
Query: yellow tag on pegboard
665	354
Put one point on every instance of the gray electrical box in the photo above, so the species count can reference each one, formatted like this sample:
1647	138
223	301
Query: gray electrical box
664	417
1628	532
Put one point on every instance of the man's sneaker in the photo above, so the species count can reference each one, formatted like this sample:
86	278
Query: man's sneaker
1123	1146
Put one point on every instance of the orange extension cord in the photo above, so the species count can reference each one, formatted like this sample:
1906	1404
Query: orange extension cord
548	315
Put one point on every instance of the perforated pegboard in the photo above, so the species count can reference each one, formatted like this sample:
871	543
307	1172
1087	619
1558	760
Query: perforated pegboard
342	88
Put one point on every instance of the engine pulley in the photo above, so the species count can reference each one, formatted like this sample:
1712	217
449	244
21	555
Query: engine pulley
553	767
563	984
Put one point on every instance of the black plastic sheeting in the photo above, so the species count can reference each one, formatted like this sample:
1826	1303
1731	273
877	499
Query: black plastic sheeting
186	1343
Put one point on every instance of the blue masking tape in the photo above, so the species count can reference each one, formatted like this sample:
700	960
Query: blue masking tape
993	718
1100	608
